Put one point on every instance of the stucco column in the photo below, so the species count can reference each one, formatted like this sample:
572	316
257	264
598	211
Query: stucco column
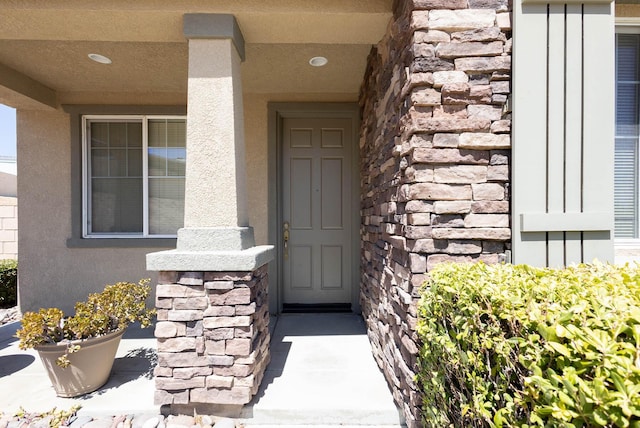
215	215
216	234
215	171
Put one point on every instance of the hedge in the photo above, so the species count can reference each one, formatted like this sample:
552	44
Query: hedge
517	346
8	283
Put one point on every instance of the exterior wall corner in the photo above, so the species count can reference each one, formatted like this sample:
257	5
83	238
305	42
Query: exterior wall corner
435	165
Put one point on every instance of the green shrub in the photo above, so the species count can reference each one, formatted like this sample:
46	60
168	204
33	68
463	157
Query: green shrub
8	283
507	345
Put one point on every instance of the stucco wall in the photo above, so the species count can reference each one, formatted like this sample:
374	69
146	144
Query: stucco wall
50	273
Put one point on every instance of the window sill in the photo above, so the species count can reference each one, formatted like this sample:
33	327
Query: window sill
121	243
627	250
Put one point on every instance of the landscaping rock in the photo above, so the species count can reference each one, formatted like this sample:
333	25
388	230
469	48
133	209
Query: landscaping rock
225	423
151	422
148	420
9	315
180	421
100	423
79	421
41	423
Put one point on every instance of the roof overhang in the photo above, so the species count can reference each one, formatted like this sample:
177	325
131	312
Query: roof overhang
44	48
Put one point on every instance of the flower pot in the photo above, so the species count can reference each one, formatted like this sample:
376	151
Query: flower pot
90	366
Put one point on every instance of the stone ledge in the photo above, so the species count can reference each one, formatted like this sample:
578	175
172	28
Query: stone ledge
219	261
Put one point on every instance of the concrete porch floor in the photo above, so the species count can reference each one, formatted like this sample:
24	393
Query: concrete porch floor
321	373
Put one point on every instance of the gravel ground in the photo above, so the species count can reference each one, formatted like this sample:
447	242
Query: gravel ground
68	418
9	315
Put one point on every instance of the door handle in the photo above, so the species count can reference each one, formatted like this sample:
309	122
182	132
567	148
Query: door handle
285	236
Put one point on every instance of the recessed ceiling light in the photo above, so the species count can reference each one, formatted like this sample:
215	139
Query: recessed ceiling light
99	58
318	61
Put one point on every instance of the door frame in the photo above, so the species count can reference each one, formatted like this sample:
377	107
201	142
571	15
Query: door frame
277	112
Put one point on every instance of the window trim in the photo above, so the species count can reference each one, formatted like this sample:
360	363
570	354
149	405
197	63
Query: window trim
628	25
75	112
85	120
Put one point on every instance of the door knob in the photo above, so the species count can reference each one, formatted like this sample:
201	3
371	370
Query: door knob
285	237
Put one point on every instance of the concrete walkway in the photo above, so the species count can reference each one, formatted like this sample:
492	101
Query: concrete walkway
130	389
321	373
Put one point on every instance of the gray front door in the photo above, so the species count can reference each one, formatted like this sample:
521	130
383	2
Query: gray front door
317	203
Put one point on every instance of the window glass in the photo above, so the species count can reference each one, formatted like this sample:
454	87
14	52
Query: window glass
134	134
166	205
157	133
99	135
626	172
157	161
117	134
117	197
134	163
176	133
626	143
176	161
167	154
116	205
100	163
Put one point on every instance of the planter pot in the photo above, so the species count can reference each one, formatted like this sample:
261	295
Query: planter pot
90	366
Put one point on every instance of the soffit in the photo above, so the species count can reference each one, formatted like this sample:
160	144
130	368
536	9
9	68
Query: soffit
49	42
64	65
269	68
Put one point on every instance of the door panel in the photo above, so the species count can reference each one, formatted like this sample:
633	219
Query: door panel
332	266
301	261
331	189
301	193
317	203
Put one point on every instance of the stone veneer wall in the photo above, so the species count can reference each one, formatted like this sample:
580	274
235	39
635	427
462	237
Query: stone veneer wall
434	149
213	336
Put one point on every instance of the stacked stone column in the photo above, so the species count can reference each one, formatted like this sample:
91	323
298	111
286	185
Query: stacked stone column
435	150
213	336
213	316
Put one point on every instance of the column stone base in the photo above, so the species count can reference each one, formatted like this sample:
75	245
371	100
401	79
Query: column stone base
213	336
213	317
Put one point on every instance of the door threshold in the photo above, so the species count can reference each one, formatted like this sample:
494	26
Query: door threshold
299	308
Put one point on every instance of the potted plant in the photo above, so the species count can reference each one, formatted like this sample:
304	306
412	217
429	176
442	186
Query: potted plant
78	351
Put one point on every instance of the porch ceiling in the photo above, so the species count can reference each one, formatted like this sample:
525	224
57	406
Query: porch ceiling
44	47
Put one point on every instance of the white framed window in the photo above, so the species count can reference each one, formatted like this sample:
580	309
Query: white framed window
627	136
133	176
